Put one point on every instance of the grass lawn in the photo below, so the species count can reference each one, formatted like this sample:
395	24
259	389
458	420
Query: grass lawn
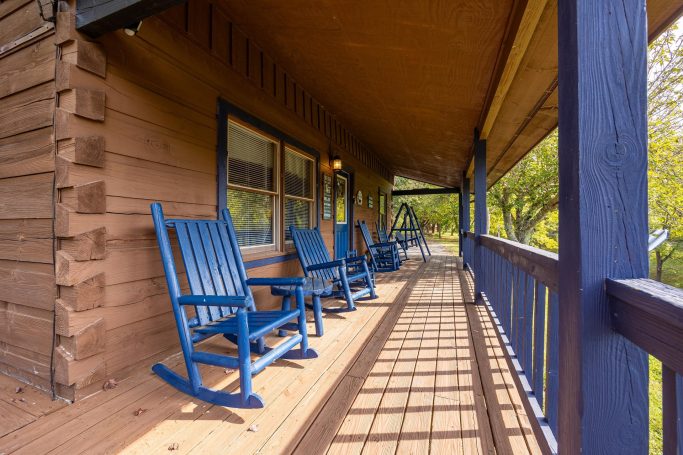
673	275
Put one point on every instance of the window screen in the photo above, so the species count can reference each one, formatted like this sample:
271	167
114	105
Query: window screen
299	189
252	186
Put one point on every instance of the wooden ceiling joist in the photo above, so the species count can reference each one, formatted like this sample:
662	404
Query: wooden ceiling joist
532	14
527	26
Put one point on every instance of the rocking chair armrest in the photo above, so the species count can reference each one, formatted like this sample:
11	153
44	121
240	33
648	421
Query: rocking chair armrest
327	265
296	281
355	259
383	245
215	300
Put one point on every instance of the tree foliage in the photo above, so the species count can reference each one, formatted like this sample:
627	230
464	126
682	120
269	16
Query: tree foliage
527	194
436	213
665	128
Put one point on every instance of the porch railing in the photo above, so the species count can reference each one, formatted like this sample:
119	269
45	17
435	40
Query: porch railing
650	314
518	284
519	287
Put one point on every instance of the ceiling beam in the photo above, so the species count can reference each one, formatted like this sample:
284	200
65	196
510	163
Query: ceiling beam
532	14
97	17
425	191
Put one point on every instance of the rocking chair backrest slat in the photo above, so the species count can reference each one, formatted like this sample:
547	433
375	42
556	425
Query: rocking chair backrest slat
212	262
311	250
382	234
367	236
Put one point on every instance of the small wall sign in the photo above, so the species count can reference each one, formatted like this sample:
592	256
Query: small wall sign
327	197
359	198
369	202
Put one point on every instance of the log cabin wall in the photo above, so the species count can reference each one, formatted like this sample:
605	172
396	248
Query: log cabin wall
27	279
136	123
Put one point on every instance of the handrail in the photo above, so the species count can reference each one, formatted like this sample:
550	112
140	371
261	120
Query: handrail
518	285
541	264
650	314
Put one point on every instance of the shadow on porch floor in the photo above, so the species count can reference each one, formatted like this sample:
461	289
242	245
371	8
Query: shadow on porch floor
415	371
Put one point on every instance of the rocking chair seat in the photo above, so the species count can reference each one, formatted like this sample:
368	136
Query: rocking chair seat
260	323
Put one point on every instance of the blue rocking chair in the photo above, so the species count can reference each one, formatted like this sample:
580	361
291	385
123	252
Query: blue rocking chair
383	256
223	304
384	238
351	276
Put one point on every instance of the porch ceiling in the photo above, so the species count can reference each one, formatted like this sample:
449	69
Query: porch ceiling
413	79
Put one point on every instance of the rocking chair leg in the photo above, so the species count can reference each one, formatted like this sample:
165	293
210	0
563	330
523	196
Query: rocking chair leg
285	307
306	352
244	355
346	288
369	282
318	315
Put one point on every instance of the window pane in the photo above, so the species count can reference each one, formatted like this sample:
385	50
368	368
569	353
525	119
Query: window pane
340	196
298	175
297	213
251	159
252	215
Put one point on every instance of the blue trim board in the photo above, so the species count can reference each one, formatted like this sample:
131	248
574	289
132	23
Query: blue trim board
271	260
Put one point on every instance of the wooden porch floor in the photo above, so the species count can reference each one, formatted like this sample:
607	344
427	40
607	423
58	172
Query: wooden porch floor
415	371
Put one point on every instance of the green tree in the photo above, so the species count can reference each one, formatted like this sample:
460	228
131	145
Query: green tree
437	213
665	128
527	194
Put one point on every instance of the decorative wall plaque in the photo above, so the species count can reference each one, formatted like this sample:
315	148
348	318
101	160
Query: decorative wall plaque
327	197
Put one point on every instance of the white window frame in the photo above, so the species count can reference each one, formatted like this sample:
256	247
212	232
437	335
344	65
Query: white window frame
275	246
312	200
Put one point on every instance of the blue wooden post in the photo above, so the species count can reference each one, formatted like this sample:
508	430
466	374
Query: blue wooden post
464	212
480	214
603	382
465	198
460	219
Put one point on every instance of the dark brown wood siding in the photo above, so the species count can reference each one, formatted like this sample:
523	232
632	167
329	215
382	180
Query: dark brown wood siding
144	129
27	279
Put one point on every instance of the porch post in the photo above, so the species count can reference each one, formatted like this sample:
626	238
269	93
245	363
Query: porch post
603	406
460	220
465	202
480	213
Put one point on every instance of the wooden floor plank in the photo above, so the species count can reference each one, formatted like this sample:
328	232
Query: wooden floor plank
386	427
518	427
416	371
417	420
446	424
350	438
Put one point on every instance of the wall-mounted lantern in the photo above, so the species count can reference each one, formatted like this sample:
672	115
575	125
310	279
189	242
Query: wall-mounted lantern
336	163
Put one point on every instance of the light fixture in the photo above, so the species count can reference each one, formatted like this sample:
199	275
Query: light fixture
132	29
336	163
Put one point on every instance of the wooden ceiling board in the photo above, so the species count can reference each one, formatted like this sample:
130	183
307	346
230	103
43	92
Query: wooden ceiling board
409	78
413	79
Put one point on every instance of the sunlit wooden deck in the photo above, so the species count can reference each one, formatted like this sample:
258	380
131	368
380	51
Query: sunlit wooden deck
415	371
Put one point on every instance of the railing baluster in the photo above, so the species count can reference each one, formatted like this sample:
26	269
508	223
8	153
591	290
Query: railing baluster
529	289
539	342
669	410
519	313
679	413
553	362
508	298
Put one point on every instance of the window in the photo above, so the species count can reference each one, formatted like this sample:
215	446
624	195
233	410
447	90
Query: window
299	190
270	186
252	187
340	198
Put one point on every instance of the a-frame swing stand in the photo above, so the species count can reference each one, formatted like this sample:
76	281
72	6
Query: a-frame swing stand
409	232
